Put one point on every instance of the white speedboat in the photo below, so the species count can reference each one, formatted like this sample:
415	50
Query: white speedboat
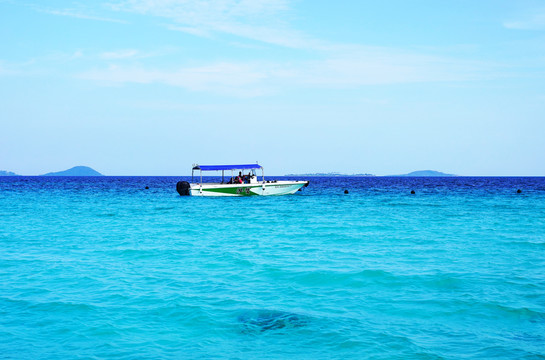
243	181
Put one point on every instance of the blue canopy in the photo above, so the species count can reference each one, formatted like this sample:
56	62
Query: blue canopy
226	167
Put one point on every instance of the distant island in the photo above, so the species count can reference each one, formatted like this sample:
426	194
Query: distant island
426	173
76	171
87	171
331	174
419	173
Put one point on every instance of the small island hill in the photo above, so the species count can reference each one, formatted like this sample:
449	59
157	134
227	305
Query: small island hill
75	171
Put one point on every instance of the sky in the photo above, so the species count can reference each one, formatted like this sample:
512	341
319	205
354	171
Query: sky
150	87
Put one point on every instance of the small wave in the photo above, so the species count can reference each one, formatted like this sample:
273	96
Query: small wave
494	310
352	279
441	281
520	313
49	306
504	352
528	243
136	253
63	307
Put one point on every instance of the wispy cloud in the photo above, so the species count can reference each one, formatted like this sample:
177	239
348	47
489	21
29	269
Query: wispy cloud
535	21
263	78
80	15
134	54
56	58
40	64
4	70
210	11
334	66
190	30
258	20
121	54
224	78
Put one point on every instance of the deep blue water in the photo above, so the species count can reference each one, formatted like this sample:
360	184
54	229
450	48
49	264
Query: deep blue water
94	268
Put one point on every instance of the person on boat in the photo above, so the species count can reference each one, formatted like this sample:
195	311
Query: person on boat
239	178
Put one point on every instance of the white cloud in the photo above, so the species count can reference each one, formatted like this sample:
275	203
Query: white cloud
536	21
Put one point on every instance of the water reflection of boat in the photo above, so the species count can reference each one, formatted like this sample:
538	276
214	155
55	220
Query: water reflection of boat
243	181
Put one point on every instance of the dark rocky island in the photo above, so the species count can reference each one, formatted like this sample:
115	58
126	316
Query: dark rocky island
76	171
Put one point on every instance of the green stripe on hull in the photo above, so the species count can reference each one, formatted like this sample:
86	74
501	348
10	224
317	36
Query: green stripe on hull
240	191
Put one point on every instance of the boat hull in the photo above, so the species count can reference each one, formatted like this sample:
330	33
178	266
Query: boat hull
255	189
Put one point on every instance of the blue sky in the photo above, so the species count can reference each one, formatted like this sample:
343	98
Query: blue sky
149	87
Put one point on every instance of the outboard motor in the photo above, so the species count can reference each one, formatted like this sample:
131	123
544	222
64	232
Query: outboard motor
182	187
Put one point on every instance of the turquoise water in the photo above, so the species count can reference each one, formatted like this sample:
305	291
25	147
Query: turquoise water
94	268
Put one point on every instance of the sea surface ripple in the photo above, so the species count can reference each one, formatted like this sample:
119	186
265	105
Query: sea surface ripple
102	268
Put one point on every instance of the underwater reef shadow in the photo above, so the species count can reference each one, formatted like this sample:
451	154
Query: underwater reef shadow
261	320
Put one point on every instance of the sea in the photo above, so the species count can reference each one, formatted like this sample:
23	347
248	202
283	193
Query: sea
125	268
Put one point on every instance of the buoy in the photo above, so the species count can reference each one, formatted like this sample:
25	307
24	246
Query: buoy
412	192
147	187
519	191
346	191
